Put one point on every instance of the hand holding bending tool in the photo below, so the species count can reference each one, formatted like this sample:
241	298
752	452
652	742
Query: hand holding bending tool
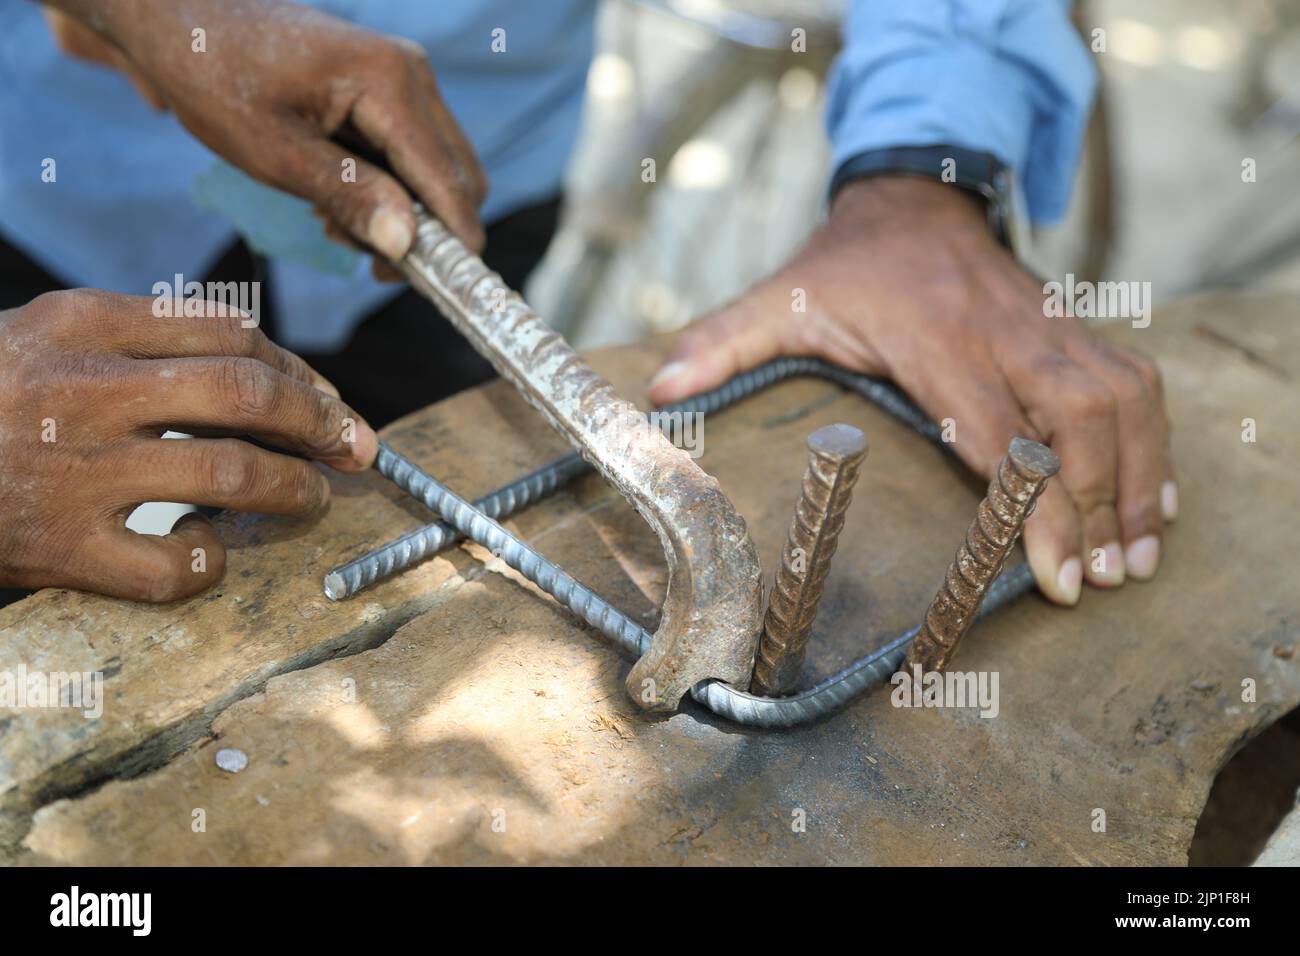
712	618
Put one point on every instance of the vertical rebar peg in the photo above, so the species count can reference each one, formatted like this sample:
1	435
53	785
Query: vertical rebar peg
1020	479
835	455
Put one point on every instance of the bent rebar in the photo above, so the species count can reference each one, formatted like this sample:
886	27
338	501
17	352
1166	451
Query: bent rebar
723	699
347	579
713	607
476	523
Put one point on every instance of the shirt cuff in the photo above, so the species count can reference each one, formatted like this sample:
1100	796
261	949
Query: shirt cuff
1006	77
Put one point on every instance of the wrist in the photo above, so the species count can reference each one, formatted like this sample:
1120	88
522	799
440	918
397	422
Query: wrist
979	174
902	201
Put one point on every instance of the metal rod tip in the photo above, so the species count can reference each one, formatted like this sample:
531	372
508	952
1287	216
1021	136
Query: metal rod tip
841	442
1033	460
335	588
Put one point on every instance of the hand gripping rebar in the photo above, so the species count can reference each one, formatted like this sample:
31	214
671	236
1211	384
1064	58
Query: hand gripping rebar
713	608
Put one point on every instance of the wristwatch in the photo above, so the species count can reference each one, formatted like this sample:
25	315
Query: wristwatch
977	172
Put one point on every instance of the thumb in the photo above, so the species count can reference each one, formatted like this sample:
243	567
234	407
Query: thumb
153	568
712	349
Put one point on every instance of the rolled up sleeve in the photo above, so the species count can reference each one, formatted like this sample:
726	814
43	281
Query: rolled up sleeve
1007	77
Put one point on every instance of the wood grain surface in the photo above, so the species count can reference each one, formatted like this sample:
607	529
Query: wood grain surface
454	714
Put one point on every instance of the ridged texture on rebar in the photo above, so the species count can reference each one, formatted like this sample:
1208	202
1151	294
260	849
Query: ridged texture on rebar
479	528
862	675
824	497
388	559
348	579
988	542
729	702
712	610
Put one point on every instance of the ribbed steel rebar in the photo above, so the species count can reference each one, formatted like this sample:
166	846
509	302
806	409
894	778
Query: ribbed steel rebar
835	454
630	637
347	579
713	604
723	699
1020	479
478	527
862	675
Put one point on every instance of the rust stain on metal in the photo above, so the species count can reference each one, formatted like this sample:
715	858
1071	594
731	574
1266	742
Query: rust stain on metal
835	456
1020	479
713	608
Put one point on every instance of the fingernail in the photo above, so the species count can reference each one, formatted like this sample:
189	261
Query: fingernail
667	373
1169	500
389	233
366	446
1107	569
1143	557
188	519
1069	581
326	386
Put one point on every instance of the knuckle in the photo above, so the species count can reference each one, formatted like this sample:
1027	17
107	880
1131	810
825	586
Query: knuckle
1148	372
415	62
75	300
34	541
351	207
67	379
395	60
230	337
1093	494
291	365
1053	366
249	386
1141	516
1129	388
326	429
307	486
1133	378
229	474
411	51
1089	400
73	309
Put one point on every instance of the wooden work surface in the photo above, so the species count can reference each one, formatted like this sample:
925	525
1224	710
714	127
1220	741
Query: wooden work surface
455	715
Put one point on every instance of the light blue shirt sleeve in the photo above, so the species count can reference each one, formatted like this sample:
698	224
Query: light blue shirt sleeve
136	199
1006	77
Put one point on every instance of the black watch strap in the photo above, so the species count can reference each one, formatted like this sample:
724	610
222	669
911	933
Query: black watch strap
968	169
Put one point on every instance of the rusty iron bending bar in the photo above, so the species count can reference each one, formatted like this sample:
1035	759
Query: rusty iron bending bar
713	607
709	623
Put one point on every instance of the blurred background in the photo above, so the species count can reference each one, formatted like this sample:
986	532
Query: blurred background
1190	89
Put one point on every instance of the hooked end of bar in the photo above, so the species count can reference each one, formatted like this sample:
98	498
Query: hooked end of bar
712	616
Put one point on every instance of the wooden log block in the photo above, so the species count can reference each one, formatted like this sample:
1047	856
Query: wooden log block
493	727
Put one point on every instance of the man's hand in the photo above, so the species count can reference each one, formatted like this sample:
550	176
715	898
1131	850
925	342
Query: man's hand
89	382
905	281
296	98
